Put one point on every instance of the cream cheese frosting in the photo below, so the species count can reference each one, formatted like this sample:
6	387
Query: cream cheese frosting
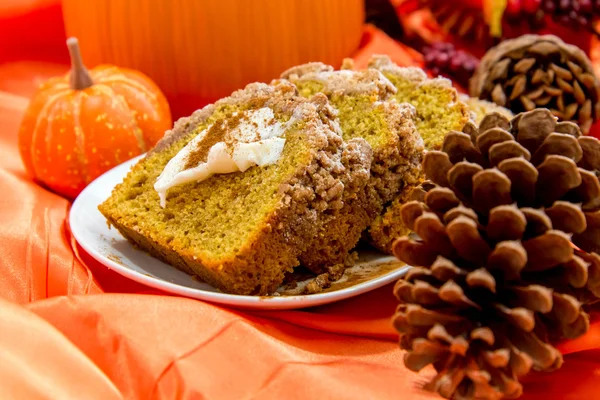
256	139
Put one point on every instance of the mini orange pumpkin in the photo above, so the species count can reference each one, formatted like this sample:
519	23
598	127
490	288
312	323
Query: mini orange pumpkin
80	125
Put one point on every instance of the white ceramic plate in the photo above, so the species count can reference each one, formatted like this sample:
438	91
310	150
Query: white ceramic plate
108	247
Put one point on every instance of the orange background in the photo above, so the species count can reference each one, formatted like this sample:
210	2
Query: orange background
70	328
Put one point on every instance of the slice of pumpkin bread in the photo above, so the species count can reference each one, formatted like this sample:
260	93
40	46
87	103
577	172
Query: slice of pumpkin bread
439	110
366	109
241	231
438	107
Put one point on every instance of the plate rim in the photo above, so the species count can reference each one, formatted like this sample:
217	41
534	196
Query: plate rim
241	301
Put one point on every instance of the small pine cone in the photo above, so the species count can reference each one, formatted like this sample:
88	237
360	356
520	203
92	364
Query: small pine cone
534	71
498	278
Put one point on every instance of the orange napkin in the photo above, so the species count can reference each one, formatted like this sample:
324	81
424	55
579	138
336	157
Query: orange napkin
71	328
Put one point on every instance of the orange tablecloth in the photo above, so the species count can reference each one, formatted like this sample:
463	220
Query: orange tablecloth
70	328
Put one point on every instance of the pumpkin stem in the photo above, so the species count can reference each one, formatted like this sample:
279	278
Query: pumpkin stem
80	77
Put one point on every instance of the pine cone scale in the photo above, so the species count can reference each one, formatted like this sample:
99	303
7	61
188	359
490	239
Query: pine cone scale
506	223
520	317
523	176
466	239
558	144
544	357
577	272
460	178
591	153
437	167
492	136
524	65
509	259
499	152
492	189
533	297
567	217
557	176
429	226
588	193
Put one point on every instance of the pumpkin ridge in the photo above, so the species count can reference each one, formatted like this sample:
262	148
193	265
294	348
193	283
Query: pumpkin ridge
42	115
79	137
49	126
122	78
137	131
105	71
125	81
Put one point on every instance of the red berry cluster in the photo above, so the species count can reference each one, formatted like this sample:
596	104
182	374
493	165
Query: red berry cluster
573	13
569	13
444	59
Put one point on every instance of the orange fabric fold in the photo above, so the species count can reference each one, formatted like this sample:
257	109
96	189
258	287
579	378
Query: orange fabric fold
72	328
230	354
36	257
39	362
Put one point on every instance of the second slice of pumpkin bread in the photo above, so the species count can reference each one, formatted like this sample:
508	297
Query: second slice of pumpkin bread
366	109
439	110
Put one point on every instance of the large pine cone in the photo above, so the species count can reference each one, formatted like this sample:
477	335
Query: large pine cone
534	71
498	278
